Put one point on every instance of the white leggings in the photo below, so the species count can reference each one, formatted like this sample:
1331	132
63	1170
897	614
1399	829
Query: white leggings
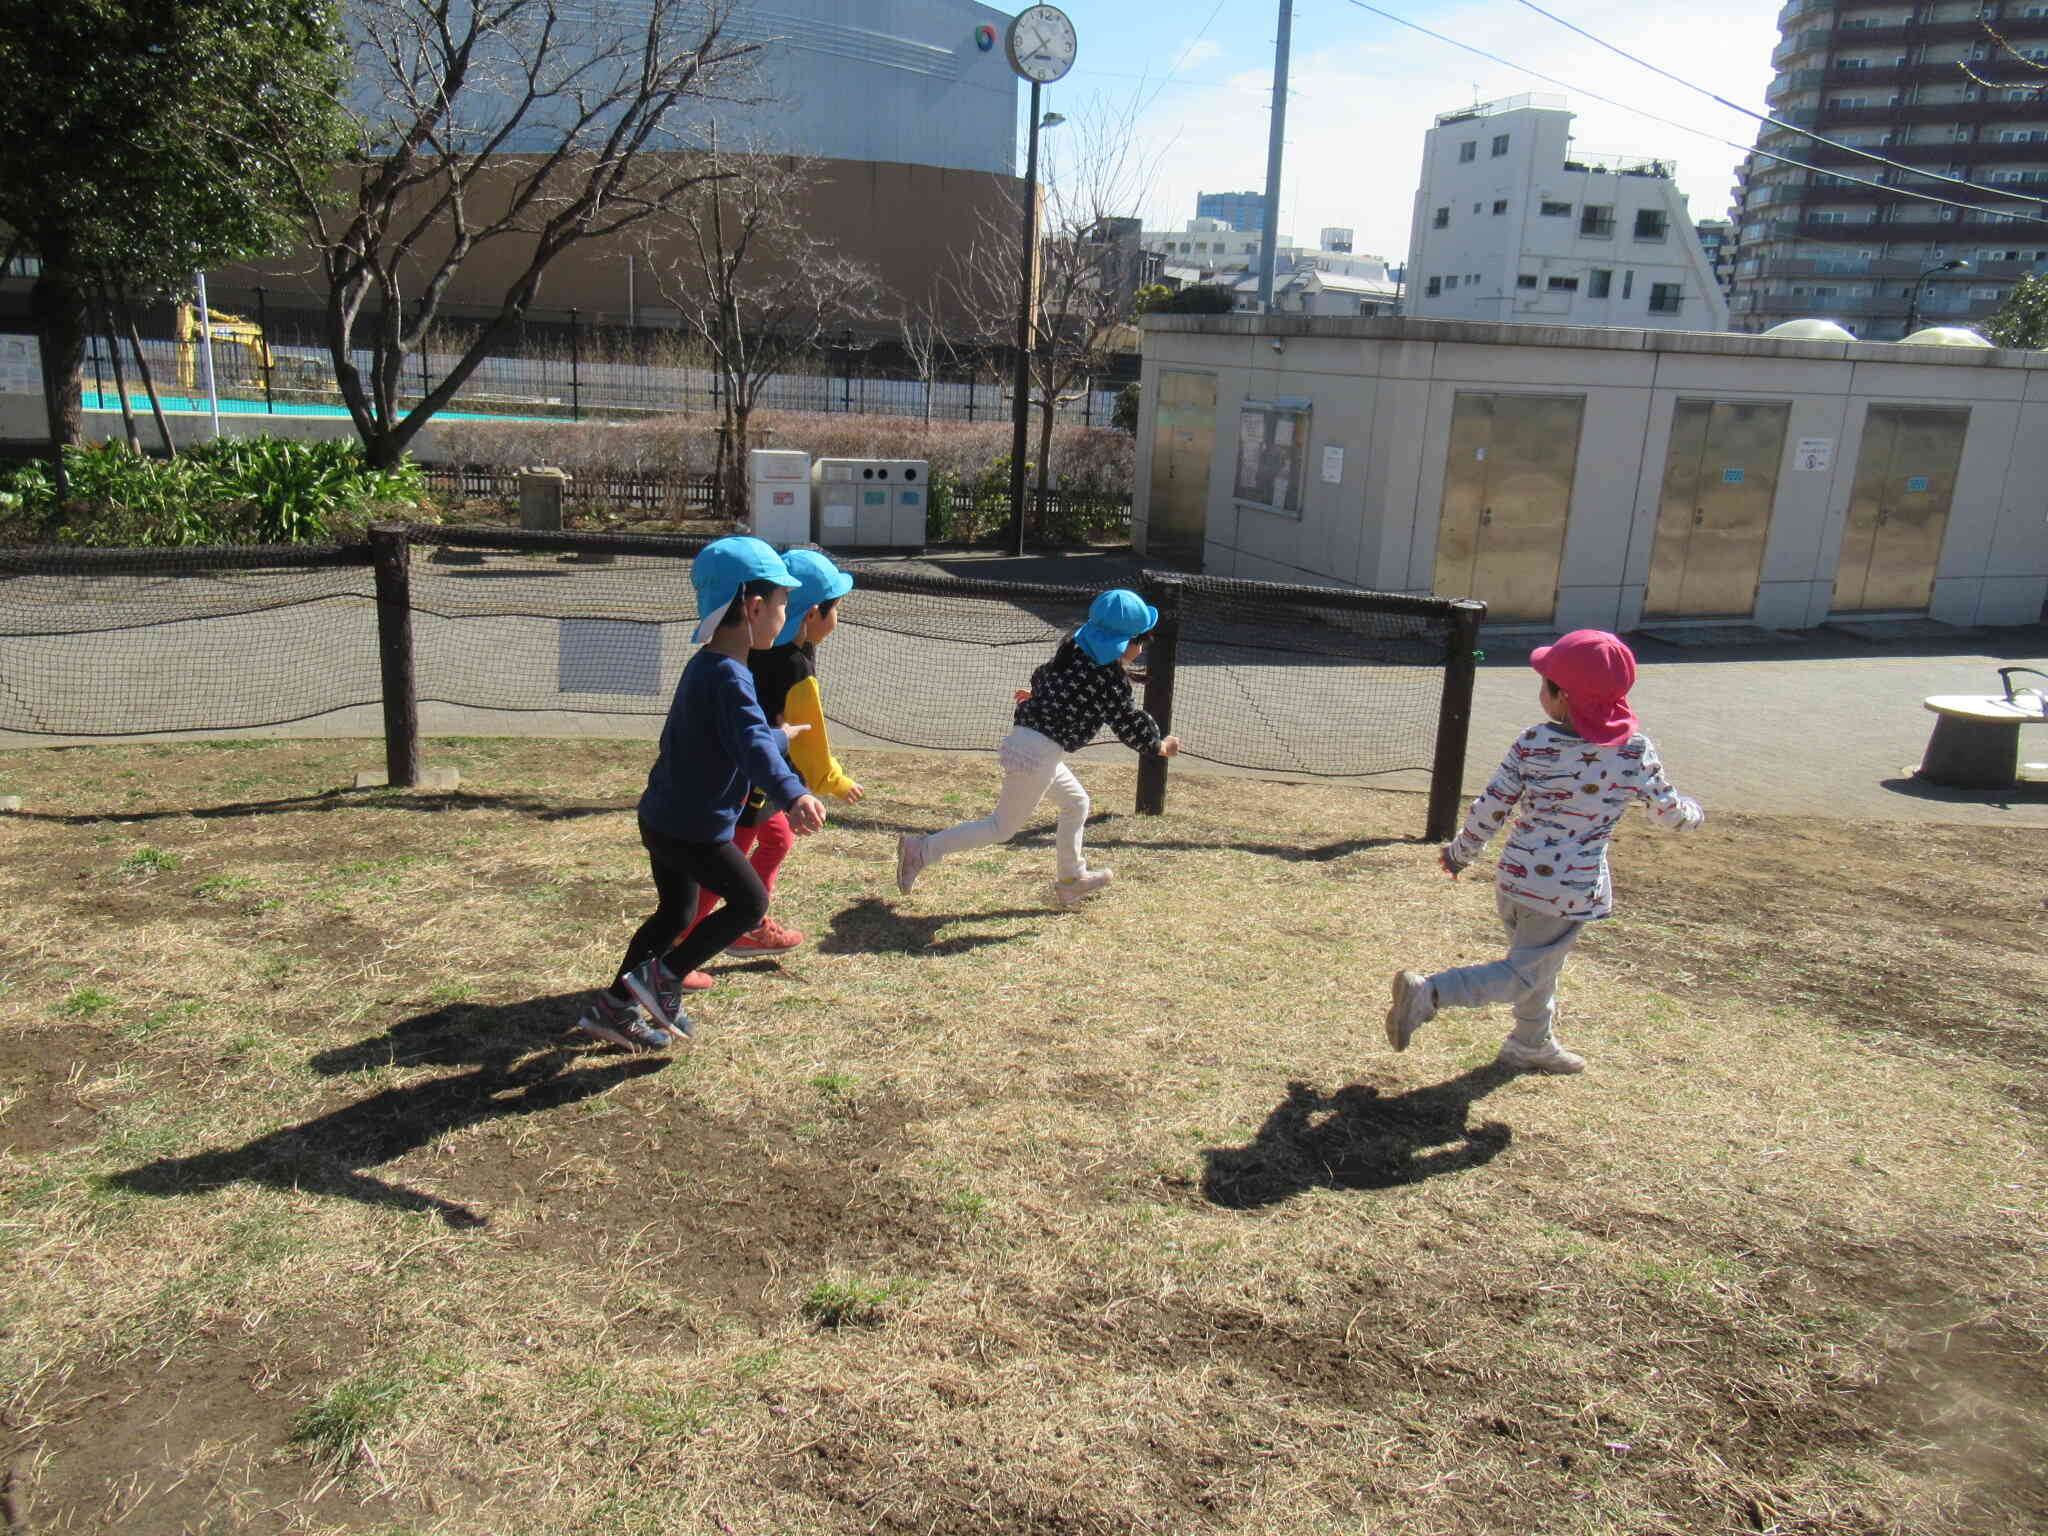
1032	764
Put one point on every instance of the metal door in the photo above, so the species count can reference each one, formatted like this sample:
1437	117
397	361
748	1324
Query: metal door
1507	493
1720	478
1898	507
1183	448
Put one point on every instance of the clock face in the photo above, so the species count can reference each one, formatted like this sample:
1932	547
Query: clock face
1041	43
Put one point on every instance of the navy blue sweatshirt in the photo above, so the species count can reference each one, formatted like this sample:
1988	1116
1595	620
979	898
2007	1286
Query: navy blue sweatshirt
715	745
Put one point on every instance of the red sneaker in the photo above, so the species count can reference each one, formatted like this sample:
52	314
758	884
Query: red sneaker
697	981
768	937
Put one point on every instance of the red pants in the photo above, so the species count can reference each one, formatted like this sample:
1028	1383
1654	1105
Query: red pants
770	841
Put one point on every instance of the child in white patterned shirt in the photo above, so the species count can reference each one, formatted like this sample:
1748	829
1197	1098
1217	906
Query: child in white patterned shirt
1571	778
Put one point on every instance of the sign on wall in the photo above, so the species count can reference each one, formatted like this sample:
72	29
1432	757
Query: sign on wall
1272	452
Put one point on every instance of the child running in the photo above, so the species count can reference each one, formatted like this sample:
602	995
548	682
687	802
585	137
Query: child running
716	742
1572	777
786	686
1072	696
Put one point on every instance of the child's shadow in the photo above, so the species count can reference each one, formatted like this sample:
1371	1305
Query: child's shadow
872	926
461	1035
327	1155
1354	1139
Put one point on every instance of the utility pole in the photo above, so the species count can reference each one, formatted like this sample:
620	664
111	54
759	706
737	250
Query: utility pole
1269	245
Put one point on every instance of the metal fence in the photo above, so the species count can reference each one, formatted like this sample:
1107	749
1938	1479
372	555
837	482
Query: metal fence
685	496
294	379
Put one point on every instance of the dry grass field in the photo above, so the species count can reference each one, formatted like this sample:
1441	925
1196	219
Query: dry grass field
973	1215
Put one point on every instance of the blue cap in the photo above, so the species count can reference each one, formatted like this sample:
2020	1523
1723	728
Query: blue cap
723	567
818	580
1115	619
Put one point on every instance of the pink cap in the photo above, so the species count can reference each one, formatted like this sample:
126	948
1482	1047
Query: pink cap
1597	670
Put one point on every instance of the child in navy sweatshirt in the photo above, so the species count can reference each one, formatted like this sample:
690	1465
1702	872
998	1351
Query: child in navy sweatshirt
714	746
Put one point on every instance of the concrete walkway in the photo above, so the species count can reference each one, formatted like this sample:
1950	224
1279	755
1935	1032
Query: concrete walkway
1819	724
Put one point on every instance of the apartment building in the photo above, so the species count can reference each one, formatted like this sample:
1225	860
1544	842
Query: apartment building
1896	81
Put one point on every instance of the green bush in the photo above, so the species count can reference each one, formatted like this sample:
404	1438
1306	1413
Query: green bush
234	491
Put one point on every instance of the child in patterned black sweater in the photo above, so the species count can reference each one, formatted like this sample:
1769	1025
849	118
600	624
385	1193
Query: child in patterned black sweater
1072	696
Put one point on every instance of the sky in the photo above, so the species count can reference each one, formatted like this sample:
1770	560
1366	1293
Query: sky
1196	76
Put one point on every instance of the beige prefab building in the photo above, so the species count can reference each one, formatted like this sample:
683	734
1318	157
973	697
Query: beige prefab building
1607	478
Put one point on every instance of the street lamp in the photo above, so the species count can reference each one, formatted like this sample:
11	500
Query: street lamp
1020	407
1913	308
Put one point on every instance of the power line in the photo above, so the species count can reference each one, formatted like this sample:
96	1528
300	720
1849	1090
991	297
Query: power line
1899	192
1775	122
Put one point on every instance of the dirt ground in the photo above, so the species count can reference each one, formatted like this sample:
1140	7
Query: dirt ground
978	1217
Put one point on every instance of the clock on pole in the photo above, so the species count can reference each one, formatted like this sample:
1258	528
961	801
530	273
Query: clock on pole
1041	47
1041	44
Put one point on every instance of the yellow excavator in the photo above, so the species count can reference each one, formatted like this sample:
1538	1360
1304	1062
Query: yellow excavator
227	329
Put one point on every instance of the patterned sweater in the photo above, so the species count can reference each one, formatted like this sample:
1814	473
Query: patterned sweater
1072	698
1570	793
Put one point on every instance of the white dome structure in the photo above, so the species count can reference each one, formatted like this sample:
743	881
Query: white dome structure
1946	336
1808	330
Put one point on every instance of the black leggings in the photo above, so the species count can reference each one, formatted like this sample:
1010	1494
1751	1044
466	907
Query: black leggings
681	871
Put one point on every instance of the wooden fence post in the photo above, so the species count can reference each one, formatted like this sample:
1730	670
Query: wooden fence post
1454	720
1162	656
390	557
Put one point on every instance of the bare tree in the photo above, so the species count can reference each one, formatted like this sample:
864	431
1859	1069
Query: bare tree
1089	270
927	342
757	290
525	125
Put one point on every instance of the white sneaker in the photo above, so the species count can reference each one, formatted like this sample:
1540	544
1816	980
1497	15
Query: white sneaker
909	860
1414	1005
1548	1057
1071	893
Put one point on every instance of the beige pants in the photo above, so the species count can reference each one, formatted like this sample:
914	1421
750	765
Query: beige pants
1539	943
1033	763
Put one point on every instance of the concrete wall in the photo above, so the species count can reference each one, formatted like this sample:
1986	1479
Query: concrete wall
1382	390
22	420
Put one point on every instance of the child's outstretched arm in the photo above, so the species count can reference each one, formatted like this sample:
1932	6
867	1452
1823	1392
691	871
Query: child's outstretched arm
812	750
1493	807
1664	804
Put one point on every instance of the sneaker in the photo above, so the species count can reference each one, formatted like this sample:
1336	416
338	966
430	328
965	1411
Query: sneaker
661	994
620	1023
767	937
1414	1005
1548	1057
698	981
1071	893
909	860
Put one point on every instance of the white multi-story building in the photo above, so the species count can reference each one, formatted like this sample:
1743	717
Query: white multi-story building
1512	225
1210	245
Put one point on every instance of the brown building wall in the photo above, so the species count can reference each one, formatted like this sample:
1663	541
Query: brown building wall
911	223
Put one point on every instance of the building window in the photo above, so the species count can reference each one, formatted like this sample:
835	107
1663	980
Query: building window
1563	285
1442	219
1650	224
1500	205
1599	282
1628	283
1554	210
1500	145
1526	280
1597	220
1469	150
1436	286
1450	283
1664	298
